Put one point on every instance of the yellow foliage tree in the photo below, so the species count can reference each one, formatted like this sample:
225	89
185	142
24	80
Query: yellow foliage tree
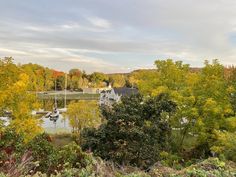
15	98
201	95
83	114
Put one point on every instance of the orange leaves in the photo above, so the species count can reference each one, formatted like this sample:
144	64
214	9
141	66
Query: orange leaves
57	74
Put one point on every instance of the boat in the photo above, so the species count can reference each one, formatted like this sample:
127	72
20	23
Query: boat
53	116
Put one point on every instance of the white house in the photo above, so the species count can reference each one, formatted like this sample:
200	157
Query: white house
109	97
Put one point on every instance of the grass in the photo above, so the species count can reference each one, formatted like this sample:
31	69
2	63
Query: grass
61	139
189	141
57	130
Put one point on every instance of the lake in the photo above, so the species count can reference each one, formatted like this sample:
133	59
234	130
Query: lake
47	101
60	126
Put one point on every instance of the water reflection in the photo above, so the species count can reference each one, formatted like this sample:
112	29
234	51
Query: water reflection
60	126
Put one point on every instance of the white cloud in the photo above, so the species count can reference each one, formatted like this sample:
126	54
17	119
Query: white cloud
108	32
62	56
12	52
99	22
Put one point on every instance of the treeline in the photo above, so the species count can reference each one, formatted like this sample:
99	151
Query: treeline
45	79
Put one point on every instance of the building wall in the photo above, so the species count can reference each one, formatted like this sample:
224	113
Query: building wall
109	97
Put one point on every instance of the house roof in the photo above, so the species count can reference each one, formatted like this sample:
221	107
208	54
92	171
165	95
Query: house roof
125	91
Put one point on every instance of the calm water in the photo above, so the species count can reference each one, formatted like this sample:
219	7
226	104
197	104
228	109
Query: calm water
60	126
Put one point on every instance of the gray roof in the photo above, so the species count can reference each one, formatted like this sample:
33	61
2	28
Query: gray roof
125	91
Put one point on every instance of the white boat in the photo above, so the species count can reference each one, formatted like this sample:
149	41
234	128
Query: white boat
53	116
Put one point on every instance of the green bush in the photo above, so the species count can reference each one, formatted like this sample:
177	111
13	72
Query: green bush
12	149
11	142
44	152
2	174
225	145
72	156
210	167
138	174
135	132
170	160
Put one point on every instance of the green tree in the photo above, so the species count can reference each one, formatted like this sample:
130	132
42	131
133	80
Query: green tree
75	80
173	78
202	98
135	132
117	80
98	79
212	102
232	88
145	80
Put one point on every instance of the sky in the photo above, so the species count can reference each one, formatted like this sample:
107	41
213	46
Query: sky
117	35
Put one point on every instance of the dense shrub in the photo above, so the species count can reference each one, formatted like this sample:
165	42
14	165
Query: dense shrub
72	156
44	152
135	132
11	144
171	160
212	167
15	159
225	146
39	155
71	161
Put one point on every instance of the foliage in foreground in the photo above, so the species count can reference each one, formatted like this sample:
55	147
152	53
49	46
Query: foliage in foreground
212	167
39	157
18	157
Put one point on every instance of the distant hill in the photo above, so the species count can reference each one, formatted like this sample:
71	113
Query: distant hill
193	69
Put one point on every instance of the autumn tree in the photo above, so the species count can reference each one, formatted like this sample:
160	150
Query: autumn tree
212	102
98	79
15	98
41	78
117	80
83	114
202	97
74	79
59	80
145	80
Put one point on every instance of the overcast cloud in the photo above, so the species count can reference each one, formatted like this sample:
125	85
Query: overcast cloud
117	36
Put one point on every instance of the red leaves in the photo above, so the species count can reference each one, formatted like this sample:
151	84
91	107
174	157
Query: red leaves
57	74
